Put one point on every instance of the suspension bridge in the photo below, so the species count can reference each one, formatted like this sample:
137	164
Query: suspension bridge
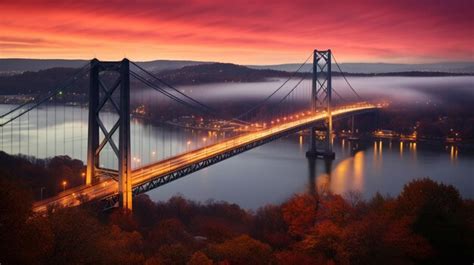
136	132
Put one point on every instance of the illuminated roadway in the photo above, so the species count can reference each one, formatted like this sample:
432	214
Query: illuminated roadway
106	188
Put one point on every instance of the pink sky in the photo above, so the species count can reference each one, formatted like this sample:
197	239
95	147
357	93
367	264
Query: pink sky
246	32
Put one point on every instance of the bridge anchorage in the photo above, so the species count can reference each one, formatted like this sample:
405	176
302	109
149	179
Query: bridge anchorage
321	93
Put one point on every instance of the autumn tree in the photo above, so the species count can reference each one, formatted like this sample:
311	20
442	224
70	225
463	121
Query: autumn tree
169	231
326	239
437	214
199	258
174	254
270	226
25	238
241	250
300	213
288	257
335	208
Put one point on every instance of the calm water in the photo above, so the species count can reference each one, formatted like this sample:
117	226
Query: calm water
275	171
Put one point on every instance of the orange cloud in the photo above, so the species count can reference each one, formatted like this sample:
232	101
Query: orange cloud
250	32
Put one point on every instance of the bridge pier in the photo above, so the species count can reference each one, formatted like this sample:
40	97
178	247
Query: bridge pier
321	99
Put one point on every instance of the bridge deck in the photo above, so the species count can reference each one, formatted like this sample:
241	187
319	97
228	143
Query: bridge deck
162	172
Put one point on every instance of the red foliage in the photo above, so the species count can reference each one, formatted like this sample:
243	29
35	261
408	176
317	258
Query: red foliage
241	250
168	231
335	209
300	213
294	257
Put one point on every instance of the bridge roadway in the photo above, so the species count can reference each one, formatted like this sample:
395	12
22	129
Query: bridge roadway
155	173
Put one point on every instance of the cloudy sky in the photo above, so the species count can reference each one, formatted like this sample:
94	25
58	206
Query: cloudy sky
246	32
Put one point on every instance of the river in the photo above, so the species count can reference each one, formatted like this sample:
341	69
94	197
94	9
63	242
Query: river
273	172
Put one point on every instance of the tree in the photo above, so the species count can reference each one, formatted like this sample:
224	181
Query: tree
78	237
326	239
213	228
25	239
288	257
335	208
199	258
175	254
126	246
378	238
437	214
241	250
123	219
300	213
145	211
270	227
169	231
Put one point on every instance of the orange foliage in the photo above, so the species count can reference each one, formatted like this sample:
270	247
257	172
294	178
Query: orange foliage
199	258
300	213
294	257
241	250
334	208
325	239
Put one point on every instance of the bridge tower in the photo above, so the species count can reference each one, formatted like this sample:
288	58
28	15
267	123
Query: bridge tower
109	91
321	100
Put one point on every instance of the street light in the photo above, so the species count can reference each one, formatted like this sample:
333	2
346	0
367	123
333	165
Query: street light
188	143
64	185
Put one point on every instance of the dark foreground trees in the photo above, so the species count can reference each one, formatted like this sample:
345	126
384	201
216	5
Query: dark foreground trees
428	223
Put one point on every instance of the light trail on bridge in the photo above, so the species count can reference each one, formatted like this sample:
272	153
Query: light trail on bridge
109	187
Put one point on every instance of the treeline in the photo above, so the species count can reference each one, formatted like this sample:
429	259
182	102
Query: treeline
428	223
42	178
42	82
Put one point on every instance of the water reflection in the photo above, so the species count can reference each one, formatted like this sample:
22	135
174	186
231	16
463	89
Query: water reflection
358	170
347	174
312	175
377	158
453	153
350	173
319	183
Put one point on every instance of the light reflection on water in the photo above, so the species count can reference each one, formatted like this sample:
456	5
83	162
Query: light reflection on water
273	172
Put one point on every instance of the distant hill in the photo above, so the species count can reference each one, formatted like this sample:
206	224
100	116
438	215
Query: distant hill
15	66
40	82
33	82
218	72
12	66
377	68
